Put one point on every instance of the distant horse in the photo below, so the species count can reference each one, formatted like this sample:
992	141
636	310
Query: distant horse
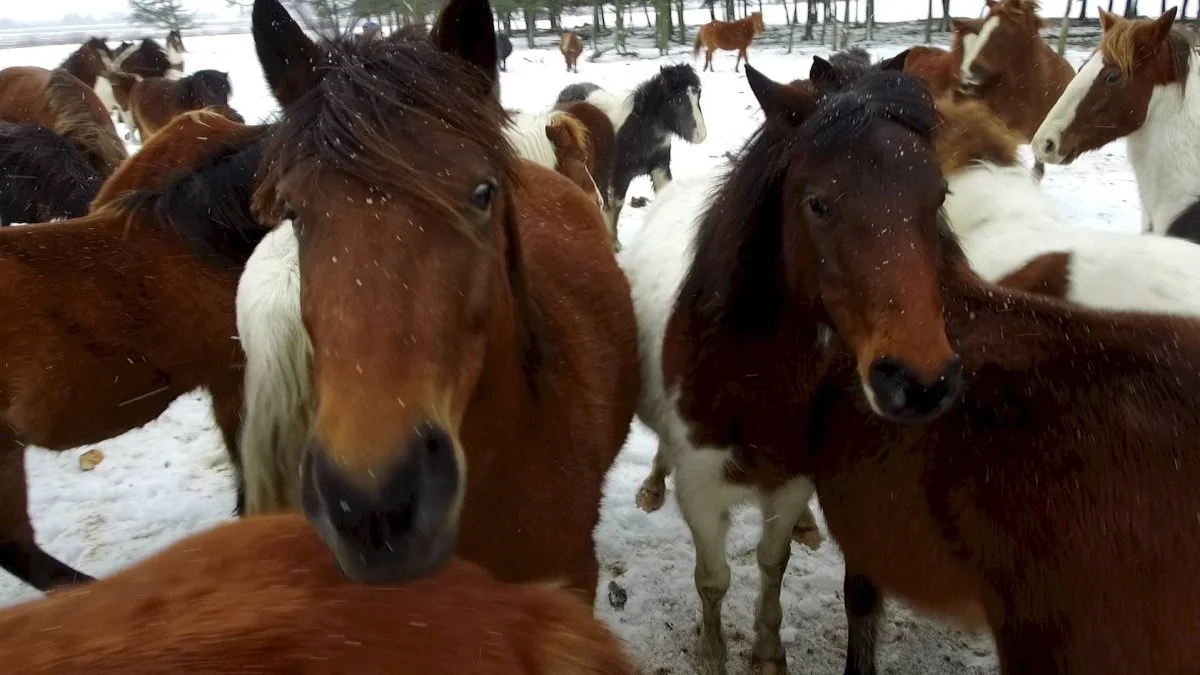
135	308
155	101
559	141
785	276
58	101
602	144
1142	83
504	49
498	377
264	595
149	59
1006	64
93	59
42	176
727	35
644	121
571	47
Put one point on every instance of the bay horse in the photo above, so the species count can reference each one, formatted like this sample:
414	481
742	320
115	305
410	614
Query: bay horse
571	47
135	308
1141	84
502	334
264	595
601	144
1006	64
730	36
154	101
785	272
42	176
58	101
644	122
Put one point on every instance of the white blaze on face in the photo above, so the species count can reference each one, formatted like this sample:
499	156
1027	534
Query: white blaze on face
973	46
1047	142
701	131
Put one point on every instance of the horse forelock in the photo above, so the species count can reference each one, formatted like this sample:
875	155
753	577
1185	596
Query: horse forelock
370	116
1127	42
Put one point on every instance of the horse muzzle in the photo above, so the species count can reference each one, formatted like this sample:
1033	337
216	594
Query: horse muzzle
403	524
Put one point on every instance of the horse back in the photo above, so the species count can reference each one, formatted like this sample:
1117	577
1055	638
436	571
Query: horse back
935	67
22	96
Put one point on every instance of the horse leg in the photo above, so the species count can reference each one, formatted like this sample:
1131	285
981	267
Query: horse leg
737	64
612	211
19	552
864	609
707	60
660	169
227	410
780	511
806	531
699	493
653	492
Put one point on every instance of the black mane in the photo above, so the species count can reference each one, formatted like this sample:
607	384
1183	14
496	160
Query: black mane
42	176
673	81
736	282
209	206
203	88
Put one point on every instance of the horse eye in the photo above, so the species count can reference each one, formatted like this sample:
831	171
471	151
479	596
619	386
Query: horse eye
482	195
1113	77
818	206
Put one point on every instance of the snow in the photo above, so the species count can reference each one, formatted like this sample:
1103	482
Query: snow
171	478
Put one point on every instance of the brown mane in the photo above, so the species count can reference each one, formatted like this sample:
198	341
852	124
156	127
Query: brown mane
70	102
1125	43
576	130
968	131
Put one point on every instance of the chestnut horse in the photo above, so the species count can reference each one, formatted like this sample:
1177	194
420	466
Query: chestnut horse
727	35
571	47
154	101
555	140
601	144
1142	83
135	308
735	341
58	101
1006	64
472	391
264	595
42	176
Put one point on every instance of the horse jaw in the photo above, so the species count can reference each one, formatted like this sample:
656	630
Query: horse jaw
700	131
1047	142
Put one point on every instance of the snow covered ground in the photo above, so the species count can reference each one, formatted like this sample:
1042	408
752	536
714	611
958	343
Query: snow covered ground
170	478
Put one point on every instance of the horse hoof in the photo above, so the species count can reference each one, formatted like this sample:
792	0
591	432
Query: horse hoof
650	499
808	535
778	667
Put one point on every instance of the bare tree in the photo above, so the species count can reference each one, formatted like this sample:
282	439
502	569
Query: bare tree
945	16
1083	10
168	14
870	19
929	24
1066	28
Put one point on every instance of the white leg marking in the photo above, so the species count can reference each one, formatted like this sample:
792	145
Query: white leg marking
781	511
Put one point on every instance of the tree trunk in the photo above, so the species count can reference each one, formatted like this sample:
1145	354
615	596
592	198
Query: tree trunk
682	25
597	19
845	41
824	19
712	10
646	11
870	19
731	10
810	7
929	24
1066	28
662	15
530	26
1131	9
1083	10
945	16
619	26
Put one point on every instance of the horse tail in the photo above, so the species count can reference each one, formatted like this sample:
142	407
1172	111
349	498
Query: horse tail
279	400
698	44
67	99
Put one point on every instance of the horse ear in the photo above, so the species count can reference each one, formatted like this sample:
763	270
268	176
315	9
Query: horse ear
1107	20
1162	25
465	29
896	62
779	102
290	61
991	4
821	73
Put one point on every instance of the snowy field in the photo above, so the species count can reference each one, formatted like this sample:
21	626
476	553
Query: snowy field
171	478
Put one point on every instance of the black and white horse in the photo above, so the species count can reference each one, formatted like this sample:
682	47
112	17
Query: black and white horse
42	176
666	105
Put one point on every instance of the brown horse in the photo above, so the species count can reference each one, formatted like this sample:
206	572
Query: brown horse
497	379
149	59
1006	64
58	101
572	152
936	67
571	47
154	101
728	35
264	595
602	142
135	308
90	61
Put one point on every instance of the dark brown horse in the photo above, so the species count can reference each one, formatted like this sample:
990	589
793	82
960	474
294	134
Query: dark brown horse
155	101
497	379
58	101
727	35
151	60
135	308
90	61
264	595
1006	64
42	176
571	47
602	142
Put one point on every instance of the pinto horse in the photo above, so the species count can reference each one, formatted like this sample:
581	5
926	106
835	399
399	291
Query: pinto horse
155	101
1142	83
42	176
601	144
559	141
149	59
135	308
571	47
496	384
730	36
785	272
1006	64
58	101
264	595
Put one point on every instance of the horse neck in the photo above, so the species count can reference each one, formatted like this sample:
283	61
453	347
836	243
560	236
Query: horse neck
986	195
1165	151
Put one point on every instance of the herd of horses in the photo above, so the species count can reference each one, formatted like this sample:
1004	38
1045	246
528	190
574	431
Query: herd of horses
438	355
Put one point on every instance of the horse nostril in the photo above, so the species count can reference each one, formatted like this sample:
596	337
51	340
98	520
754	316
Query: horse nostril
899	394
